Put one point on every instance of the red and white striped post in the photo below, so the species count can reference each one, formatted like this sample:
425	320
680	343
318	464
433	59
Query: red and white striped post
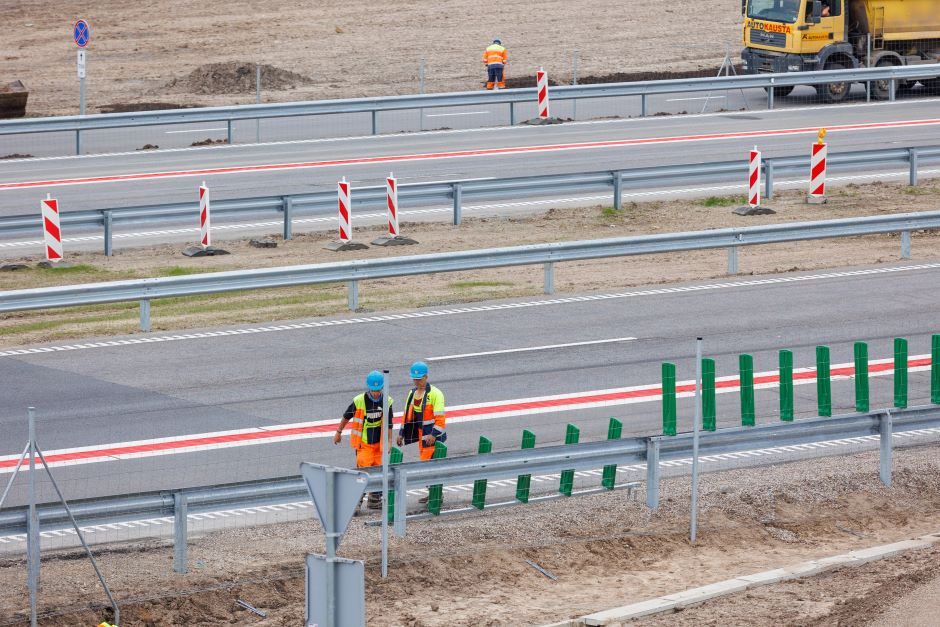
205	240
542	82
345	215
817	171
52	234
391	193
753	179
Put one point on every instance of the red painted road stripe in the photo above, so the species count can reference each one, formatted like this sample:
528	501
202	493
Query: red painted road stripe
650	392
464	153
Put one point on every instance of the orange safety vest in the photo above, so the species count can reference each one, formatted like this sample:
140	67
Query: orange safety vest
366	425
423	420
494	54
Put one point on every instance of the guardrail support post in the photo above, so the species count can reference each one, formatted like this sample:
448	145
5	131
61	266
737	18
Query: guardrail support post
768	179
823	382
618	190
179	532
746	366
108	231
145	316
905	244
732	259
891	89
652	473
288	208
900	372
457	193
642	105
375	122
912	160
549	277
512	114
228	132
885	432
709	411
401	505
352	295
770	96
786	385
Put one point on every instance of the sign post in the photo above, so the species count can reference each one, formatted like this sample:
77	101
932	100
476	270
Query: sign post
81	34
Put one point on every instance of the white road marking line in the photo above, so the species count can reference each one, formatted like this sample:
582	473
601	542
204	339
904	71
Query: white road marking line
198	130
532	348
719	97
445	115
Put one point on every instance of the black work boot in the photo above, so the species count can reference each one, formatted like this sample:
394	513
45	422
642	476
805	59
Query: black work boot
375	500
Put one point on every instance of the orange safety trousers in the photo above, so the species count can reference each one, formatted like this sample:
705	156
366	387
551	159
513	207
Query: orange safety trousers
368	455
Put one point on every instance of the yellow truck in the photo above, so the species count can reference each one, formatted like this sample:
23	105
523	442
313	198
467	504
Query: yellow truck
805	35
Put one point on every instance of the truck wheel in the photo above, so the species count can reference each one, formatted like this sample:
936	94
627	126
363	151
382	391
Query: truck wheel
881	90
781	92
834	92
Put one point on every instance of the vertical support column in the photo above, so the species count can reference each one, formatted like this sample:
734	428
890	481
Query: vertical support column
642	105
935	370
228	132
385	442
288	208
352	295
401	514
786	385
652	473
330	540
770	96
512	114
436	491
566	485
523	482
886	440
375	122
549	285
145	316
905	244
746	366
823	382
900	372
861	377
479	486
32	528
892	88
108	234
709	404
669	398
768	179
457	193
78	142
732	259
395	457
180	531
618	189
912	159
609	476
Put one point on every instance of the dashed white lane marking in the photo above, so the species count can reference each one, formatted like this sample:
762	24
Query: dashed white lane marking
471	309
447	115
532	348
197	130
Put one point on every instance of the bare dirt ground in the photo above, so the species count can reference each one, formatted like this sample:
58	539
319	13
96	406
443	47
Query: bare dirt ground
157	52
393	295
605	550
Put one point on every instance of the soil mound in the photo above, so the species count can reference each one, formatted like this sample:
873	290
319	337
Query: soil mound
235	77
129	107
622	77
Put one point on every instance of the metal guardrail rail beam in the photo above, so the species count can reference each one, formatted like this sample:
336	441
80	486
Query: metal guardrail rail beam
492	466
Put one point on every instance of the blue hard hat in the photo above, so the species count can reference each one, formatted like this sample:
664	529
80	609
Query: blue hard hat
375	380
418	369
498	41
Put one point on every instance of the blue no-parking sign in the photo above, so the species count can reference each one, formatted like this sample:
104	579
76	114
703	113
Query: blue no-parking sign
81	34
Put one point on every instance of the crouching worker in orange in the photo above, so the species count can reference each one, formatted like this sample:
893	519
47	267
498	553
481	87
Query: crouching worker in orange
365	437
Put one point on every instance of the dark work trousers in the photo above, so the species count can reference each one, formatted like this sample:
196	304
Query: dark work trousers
494	73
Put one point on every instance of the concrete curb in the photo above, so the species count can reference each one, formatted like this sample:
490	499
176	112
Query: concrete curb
693	596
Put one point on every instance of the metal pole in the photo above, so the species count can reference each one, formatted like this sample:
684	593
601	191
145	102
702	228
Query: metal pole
549	277
32	529
574	81
457	195
257	101
180	532
108	233
652	473
770	95
912	158
375	122
695	429
330	539
885	432
228	132
732	259
642	105
618	190
288	204
145	316
421	91
868	64
78	142
891	89
401	502
386	442
81	95
905	244
352	298
512	114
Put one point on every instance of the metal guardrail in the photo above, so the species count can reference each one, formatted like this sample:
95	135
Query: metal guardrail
458	192
511	97
145	290
492	466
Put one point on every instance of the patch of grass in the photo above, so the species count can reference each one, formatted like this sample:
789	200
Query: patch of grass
76	269
179	271
723	201
610	212
464	285
916	191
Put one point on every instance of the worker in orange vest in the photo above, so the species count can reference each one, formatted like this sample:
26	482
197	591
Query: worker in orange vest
495	58
365	437
424	418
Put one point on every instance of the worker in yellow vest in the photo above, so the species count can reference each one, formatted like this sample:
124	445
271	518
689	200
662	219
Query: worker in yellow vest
365	437
424	418
495	59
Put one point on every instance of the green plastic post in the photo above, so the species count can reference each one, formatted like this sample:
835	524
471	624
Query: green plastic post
525	481
746	366
394	457
900	372
436	492
935	370
861	377
786	385
609	478
823	382
572	433
708	395
669	398
479	486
